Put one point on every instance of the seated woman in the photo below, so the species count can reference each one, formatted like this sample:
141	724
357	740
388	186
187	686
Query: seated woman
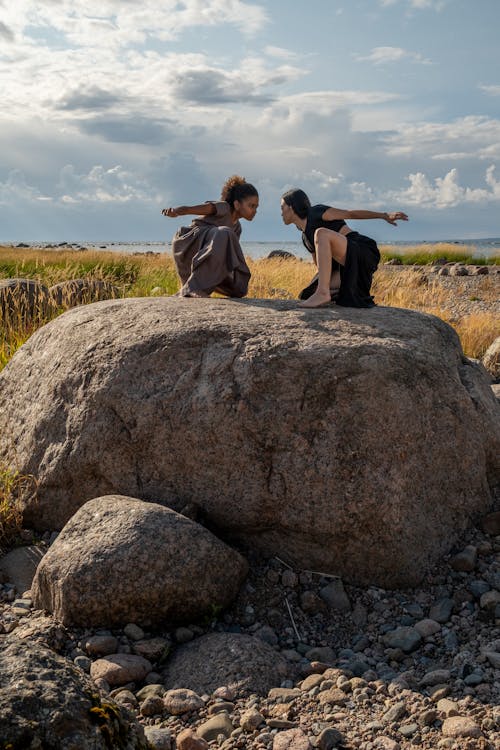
346	260
208	254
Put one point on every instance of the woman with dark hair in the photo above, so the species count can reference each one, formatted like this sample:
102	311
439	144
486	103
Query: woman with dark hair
346	260
208	254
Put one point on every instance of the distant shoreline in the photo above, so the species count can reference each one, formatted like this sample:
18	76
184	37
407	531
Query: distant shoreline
481	247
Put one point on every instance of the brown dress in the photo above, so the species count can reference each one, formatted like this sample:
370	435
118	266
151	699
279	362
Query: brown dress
208	255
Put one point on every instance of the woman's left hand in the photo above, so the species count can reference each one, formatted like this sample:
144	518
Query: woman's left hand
172	212
395	217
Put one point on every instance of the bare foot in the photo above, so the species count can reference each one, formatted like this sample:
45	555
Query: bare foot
318	299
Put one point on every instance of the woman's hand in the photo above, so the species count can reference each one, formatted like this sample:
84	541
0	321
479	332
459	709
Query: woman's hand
173	212
395	217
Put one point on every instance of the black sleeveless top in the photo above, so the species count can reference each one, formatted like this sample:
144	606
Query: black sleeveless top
315	221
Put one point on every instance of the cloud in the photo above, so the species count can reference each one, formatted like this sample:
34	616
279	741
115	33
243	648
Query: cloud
418	4
88	98
491	90
478	137
382	55
127	129
6	33
115	23
446	192
208	85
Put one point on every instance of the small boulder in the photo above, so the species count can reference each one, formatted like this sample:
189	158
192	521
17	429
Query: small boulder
119	560
491	359
82	292
241	662
23	299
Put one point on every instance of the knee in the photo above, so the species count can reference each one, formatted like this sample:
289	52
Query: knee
321	235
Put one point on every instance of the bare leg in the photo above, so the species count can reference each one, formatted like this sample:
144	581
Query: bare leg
328	245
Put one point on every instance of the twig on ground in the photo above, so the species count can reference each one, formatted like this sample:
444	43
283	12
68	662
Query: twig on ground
291	618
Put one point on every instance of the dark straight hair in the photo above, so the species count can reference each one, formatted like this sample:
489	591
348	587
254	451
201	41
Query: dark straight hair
298	201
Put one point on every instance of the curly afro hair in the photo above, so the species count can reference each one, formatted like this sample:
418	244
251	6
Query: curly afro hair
236	188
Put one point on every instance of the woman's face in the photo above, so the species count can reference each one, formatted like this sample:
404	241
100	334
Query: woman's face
287	213
247	208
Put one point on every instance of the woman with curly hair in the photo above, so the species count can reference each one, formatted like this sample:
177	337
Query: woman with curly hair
208	254
346	260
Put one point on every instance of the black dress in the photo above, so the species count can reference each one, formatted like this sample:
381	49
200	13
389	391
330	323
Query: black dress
362	259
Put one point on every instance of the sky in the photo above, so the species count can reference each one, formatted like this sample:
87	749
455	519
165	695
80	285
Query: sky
113	110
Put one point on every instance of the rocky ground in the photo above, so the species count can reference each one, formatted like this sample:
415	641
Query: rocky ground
367	669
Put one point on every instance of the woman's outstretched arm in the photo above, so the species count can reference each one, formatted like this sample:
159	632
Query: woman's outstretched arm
204	209
338	213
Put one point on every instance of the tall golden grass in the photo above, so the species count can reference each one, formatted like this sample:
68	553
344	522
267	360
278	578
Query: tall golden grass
143	275
13	488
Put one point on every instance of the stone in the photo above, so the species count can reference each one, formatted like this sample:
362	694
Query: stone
447	708
435	677
187	740
406	638
460	726
493	658
182	701
383	742
335	597
19	566
312	681
329	738
333	696
297	400
133	632
489	600
427	627
45	701
491	359
216	725
153	649
82	292
101	645
441	610
152	706
394	713
251	720
120	669
120	560
241	663
161	739
291	739
491	523
465	561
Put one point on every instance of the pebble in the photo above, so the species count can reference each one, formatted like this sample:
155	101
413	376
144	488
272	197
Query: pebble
461	726
441	610
406	638
161	739
182	701
220	724
292	739
187	740
133	632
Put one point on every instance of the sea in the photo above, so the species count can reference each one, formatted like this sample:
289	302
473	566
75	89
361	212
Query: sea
481	248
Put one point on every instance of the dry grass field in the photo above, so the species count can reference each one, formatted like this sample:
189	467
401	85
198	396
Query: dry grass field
469	303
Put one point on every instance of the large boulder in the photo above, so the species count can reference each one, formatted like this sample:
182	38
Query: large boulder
120	560
354	442
48	702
